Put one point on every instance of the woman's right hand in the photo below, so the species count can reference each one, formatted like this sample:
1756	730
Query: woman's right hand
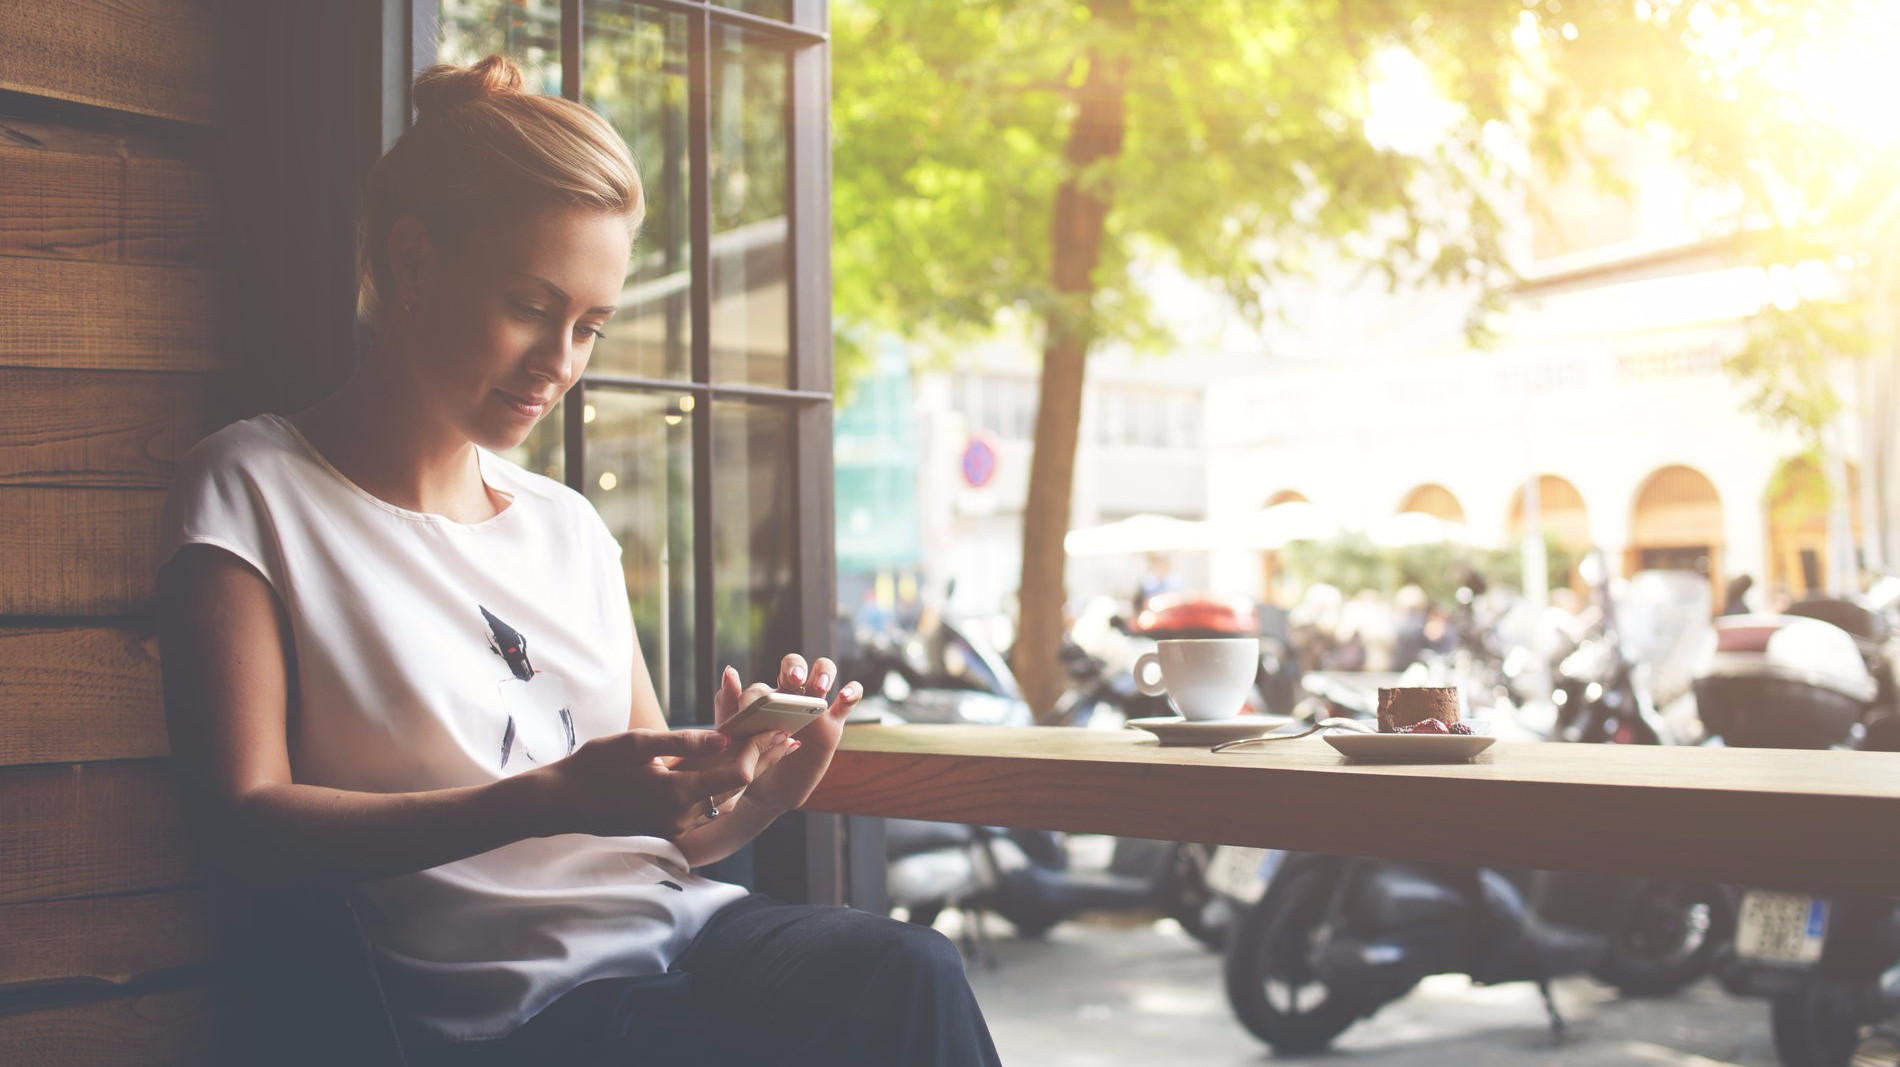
652	783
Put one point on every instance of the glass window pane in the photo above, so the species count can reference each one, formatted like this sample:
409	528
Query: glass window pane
640	477
634	73
754	544
526	31
751	312
771	9
544	450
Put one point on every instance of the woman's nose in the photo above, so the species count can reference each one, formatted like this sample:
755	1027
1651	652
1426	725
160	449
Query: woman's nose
558	359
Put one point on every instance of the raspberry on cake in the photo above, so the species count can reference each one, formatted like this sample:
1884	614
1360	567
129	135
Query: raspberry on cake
1402	708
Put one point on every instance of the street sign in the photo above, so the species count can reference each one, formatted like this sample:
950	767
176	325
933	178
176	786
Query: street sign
979	460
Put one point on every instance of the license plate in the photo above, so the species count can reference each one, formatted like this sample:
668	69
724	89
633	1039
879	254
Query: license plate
1241	873
1781	927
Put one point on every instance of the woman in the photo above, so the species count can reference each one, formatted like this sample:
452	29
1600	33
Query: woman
397	662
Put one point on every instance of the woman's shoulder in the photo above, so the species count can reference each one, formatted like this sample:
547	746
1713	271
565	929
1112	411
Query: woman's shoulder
246	444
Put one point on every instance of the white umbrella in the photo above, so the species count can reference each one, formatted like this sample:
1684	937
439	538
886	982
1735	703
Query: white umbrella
1275	527
1417	528
1136	534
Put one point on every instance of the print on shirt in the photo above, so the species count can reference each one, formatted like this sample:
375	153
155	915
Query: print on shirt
540	722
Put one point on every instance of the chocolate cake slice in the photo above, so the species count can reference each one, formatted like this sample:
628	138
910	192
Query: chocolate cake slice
1399	708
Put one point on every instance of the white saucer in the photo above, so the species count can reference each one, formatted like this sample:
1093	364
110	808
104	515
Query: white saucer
1177	731
1410	748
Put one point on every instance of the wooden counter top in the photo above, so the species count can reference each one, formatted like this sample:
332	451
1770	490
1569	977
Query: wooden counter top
1815	821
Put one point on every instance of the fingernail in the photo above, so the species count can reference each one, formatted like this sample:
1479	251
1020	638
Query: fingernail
793	747
798	675
823	683
721	740
851	691
781	737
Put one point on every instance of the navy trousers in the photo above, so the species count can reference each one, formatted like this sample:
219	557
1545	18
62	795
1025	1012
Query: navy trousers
766	984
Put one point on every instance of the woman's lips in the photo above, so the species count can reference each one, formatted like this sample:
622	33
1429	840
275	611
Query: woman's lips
522	407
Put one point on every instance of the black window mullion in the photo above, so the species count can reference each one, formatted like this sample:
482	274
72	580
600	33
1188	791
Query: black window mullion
571	49
574	412
574	437
699	154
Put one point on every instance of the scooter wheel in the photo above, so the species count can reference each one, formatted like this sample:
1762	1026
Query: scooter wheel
1673	935
1817	1025
1271	982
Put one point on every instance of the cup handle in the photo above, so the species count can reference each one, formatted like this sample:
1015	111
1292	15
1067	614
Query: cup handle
1145	663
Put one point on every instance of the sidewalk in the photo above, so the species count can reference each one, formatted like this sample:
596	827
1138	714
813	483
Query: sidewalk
1099	996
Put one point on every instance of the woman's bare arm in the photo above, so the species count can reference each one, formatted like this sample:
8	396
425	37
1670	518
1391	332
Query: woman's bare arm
226	652
225	645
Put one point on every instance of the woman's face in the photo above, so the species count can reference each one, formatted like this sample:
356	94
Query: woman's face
508	319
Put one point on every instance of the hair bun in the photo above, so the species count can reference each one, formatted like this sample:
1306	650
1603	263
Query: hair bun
445	85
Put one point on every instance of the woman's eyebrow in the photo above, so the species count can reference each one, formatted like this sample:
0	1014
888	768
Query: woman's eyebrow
562	293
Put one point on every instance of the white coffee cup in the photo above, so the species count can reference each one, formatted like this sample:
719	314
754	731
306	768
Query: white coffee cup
1206	678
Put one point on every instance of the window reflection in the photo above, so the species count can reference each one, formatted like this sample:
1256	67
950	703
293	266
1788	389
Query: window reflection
751	319
771	9
640	478
526	31
634	73
754	544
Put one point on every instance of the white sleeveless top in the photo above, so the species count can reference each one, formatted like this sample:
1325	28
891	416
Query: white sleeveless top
432	654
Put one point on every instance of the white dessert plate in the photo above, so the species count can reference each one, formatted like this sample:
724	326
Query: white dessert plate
1410	748
1173	730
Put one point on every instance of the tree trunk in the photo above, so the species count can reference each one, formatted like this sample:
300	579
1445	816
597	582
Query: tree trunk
1081	210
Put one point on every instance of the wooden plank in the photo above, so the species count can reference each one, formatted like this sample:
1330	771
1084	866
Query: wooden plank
148	57
78	551
72	193
176	1028
89	829
1772	818
80	693
110	939
99	428
108	316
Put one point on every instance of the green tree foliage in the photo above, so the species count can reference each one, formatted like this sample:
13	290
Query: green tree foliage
1355	564
1239	153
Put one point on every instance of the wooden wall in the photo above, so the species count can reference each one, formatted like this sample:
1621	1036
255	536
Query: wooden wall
131	329
109	348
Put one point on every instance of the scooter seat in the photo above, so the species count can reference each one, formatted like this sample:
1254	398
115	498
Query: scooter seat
1396	896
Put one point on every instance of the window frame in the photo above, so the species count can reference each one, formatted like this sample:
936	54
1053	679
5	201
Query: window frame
807	856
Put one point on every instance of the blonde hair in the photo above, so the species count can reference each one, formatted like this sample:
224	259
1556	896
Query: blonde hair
483	151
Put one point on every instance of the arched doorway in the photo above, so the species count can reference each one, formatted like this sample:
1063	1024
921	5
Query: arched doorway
1565	522
1797	503
1272	574
1434	500
1676	523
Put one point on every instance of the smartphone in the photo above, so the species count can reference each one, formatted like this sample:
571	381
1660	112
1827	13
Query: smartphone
774	711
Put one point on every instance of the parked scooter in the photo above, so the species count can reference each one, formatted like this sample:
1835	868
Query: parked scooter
1335	938
1362	932
1821	675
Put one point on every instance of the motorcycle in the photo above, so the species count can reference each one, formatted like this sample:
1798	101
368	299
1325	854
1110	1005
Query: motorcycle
1819	675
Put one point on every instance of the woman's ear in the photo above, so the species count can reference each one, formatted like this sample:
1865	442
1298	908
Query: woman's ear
412	259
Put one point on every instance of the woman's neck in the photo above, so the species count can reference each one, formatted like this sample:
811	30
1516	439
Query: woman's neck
387	440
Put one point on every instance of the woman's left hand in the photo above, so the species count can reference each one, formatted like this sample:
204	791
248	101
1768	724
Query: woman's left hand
789	780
